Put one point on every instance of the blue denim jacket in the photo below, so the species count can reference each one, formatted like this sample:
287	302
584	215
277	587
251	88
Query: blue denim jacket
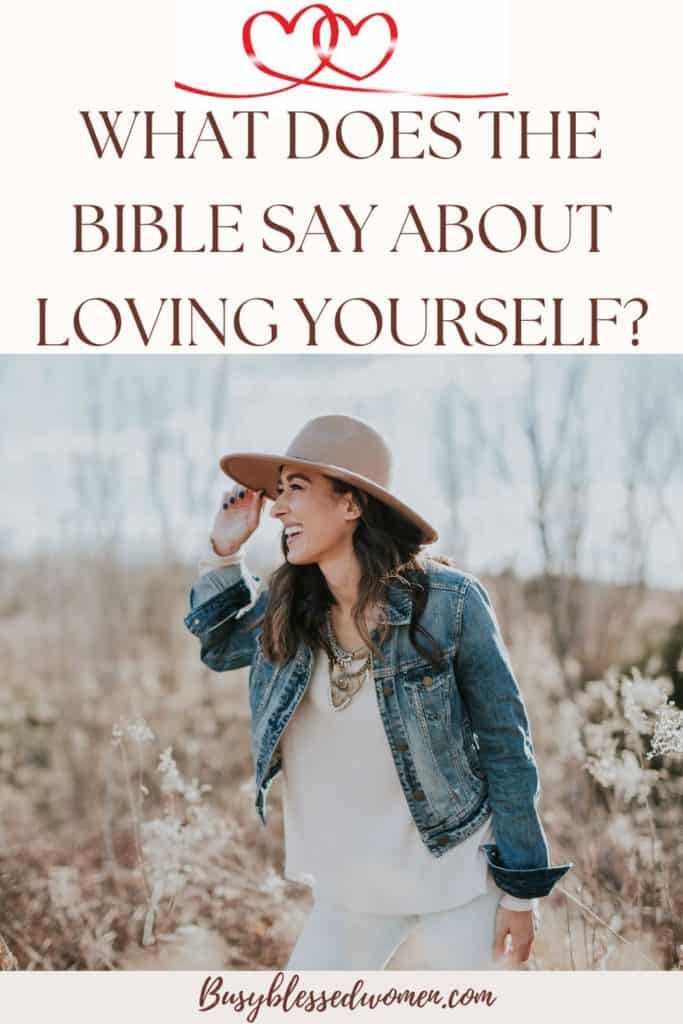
459	736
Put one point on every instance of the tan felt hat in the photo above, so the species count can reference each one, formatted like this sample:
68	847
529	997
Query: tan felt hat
342	446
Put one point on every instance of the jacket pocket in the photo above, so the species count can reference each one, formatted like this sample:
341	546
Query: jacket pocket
428	692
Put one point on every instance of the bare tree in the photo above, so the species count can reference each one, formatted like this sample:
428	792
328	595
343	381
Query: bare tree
448	416
560	557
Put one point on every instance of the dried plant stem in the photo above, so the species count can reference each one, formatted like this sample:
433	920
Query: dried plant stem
569	934
585	933
663	875
8	961
136	822
604	924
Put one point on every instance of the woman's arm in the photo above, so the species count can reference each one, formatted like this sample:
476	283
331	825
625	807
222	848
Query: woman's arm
226	601
520	858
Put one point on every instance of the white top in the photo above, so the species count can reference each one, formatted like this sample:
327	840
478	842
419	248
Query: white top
348	829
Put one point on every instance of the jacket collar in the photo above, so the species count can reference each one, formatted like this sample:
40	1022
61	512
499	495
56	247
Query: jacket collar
397	610
398	605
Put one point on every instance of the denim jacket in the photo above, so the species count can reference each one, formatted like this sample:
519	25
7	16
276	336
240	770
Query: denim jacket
458	735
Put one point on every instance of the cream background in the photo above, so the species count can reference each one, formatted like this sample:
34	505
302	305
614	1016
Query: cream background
610	57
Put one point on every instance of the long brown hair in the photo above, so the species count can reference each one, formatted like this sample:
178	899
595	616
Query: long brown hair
386	545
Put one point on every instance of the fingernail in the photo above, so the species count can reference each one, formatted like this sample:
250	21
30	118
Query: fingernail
232	501
241	494
225	504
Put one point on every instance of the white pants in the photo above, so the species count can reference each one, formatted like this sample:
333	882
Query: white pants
457	939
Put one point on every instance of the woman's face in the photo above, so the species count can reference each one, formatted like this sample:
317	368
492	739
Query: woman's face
322	522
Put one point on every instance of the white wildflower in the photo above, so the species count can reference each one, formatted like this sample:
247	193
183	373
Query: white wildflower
173	782
605	690
623	773
647	692
653	665
620	831
171	779
204	824
668	731
97	945
637	717
138	731
192	791
598	737
64	888
632	782
163	846
273	884
616	922
603	768
650	853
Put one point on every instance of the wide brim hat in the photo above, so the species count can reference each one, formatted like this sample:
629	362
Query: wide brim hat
341	446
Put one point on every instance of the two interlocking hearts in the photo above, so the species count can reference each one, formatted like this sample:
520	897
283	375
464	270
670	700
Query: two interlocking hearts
325	51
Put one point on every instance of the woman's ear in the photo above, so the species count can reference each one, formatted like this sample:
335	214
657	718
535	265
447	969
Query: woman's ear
354	506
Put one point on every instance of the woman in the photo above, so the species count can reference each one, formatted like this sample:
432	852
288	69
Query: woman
380	686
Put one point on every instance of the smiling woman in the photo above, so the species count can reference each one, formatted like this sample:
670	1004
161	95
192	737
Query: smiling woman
381	690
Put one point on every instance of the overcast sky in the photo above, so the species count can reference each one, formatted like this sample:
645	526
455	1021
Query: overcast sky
122	447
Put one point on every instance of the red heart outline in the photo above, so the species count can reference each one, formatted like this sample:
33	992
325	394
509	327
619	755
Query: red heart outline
288	25
354	29
333	19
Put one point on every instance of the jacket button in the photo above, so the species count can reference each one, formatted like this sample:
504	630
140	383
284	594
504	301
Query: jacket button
196	622
418	794
428	681
402	746
387	691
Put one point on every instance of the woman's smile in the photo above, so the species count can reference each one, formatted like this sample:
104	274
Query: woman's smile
329	526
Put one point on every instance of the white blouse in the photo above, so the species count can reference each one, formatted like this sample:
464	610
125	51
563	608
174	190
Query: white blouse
349	833
348	829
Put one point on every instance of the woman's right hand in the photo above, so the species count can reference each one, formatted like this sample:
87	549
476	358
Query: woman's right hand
237	518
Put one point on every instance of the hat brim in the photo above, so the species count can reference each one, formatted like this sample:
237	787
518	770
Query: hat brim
261	473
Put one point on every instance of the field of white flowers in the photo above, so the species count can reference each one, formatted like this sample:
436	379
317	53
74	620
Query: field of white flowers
128	835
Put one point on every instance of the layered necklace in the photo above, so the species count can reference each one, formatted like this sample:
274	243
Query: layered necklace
345	682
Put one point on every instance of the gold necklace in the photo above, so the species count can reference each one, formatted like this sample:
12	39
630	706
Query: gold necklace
344	681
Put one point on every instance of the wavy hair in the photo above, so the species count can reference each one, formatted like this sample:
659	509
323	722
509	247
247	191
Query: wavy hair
387	546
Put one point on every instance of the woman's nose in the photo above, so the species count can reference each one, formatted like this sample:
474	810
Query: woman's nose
277	508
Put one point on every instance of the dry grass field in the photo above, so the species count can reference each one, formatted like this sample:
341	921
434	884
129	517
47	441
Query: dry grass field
128	836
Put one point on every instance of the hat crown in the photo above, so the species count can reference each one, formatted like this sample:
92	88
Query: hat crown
347	443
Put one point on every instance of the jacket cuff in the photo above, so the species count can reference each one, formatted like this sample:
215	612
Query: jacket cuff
524	883
218	596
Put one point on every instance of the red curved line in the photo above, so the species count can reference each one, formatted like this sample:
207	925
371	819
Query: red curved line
355	28
407	92
233	95
254	95
341	88
289	26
